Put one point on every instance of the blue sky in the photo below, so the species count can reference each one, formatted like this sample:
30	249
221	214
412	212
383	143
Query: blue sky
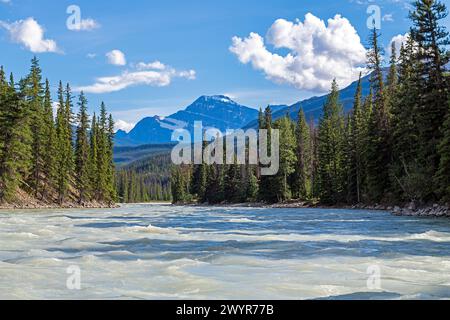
176	51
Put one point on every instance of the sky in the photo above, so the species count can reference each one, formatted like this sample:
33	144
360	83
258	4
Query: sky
146	58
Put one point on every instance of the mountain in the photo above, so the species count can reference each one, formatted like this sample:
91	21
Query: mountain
214	111
223	113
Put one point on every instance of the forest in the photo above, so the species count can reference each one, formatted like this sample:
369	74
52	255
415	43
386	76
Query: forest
51	159
392	148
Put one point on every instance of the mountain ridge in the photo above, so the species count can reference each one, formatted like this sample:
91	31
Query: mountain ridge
221	112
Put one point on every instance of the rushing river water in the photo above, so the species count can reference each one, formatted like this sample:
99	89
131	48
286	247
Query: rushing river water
165	252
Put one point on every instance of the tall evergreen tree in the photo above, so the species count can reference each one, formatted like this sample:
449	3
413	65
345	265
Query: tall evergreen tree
63	146
35	99
93	160
280	187
379	148
443	173
82	151
330	149
432	39
49	140
303	171
15	139
356	144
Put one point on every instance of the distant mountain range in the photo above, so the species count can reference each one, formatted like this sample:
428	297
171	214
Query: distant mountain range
223	113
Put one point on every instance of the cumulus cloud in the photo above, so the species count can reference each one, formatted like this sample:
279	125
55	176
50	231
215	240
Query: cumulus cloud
30	34
317	52
123	125
116	57
156	77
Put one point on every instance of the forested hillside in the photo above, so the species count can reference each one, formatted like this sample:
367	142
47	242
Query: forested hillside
43	162
393	147
145	180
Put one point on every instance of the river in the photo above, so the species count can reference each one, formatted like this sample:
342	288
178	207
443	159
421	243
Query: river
167	252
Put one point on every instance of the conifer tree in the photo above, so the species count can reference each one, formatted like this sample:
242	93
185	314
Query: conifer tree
281	188
93	161
331	150
35	98
82	151
443	174
63	145
15	139
49	140
379	148
302	183
432	40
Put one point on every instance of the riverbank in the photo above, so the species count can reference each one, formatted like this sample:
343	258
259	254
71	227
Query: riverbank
33	206
410	210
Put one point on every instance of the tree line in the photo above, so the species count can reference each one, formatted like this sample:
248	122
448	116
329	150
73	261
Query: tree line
145	180
392	147
56	159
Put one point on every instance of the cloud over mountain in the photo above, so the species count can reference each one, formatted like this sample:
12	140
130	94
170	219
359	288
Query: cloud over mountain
157	75
317	52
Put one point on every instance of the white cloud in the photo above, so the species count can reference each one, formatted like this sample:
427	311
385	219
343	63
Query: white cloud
123	125
317	53
388	17
30	34
86	25
157	65
398	40
155	78
116	57
91	55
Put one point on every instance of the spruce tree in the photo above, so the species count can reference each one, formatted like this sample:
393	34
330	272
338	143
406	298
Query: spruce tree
49	140
82	151
15	139
331	149
379	147
443	174
93	163
302	185
432	40
35	99
281	189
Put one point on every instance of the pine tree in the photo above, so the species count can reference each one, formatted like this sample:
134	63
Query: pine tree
63	145
93	162
102	154
82	151
379	148
280	182
331	150
15	139
49	140
302	185
110	181
432	39
356	144
35	98
443	174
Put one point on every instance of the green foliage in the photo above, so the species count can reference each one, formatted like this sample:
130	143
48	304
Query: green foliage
37	152
331	149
